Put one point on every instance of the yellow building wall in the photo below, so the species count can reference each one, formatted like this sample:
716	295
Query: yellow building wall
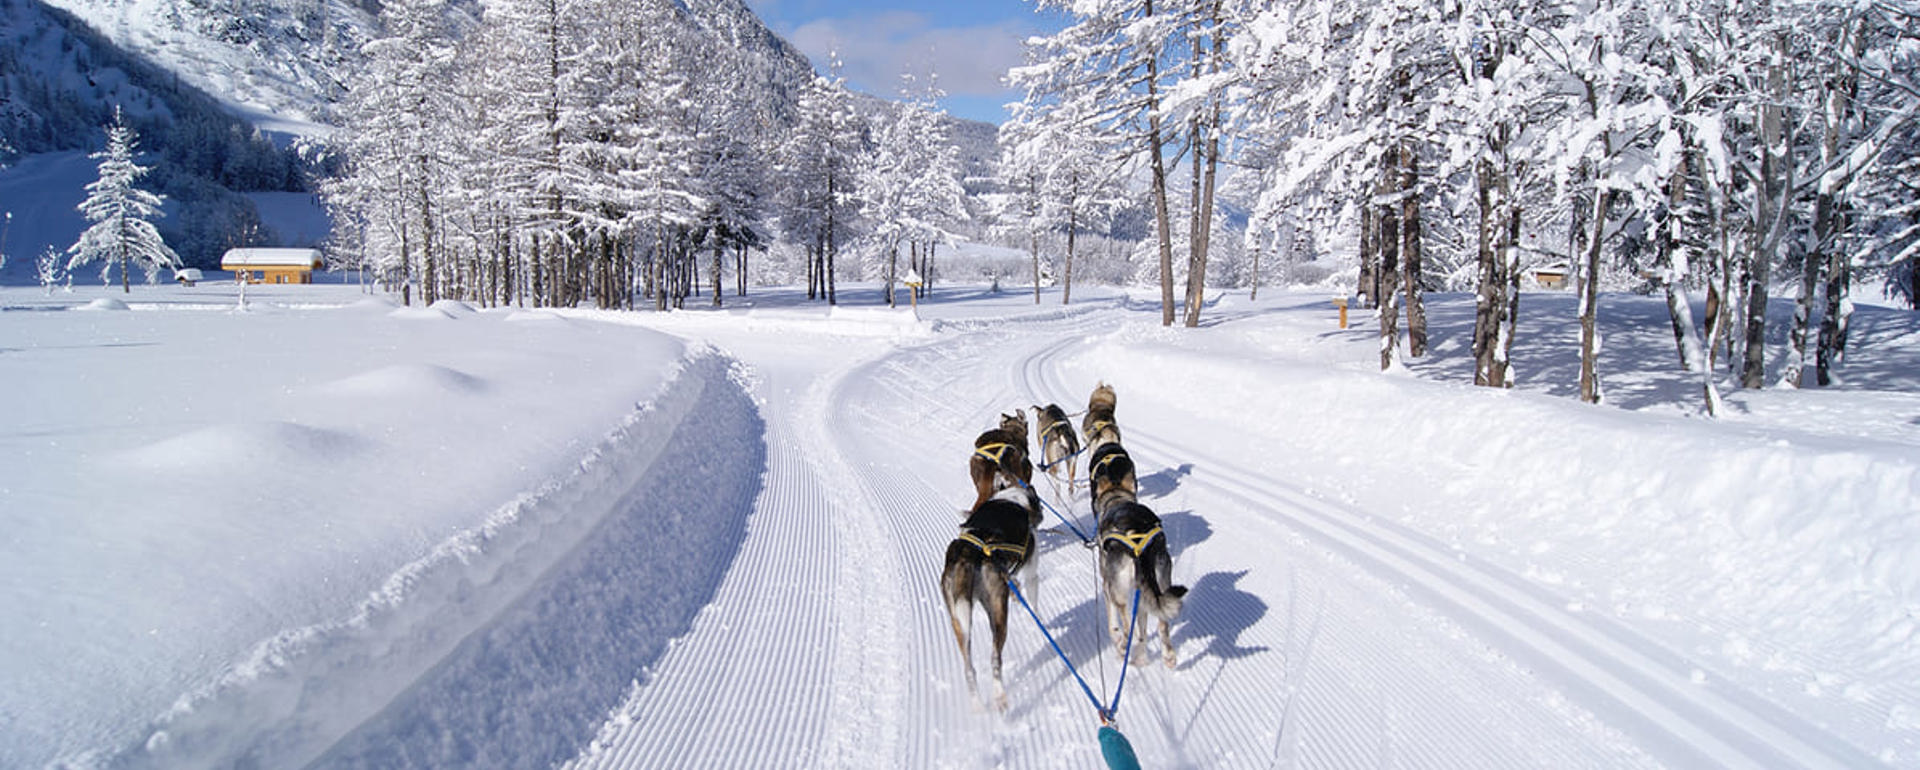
279	275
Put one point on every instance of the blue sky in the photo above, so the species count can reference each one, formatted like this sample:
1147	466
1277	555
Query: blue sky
969	43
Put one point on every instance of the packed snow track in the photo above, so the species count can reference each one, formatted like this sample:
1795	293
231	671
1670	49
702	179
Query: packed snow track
1315	635
744	575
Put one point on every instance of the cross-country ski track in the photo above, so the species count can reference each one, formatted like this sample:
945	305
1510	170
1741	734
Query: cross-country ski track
1314	636
804	629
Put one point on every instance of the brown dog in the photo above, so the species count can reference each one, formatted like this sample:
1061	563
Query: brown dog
1098	426
1058	443
1000	458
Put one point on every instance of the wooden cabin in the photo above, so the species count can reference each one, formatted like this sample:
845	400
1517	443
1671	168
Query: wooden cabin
272	265
1552	276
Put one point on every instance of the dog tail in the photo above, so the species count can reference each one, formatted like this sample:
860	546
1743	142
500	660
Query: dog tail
1169	597
1175	599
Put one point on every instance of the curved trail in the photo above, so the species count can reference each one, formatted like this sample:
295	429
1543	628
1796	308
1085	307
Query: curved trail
1647	690
1314	635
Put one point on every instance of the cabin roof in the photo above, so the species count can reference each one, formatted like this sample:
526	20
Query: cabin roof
270	257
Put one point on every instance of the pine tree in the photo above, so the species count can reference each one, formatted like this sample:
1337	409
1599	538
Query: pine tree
819	163
122	233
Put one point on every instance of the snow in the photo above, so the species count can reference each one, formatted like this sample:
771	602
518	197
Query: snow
335	531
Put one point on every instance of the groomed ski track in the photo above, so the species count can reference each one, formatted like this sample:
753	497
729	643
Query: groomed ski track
743	574
1315	635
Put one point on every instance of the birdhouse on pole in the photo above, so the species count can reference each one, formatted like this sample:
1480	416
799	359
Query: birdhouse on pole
913	282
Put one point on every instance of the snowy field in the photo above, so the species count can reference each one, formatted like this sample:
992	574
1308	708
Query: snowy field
333	532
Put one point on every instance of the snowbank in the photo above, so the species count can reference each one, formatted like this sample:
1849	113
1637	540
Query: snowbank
1788	559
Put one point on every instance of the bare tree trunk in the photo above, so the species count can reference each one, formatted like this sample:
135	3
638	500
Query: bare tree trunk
1676	264
1158	166
719	251
893	269
813	271
1769	215
1388	243
1066	285
1367	289
1200	241
826	267
1494	304
1410	249
1841	114
1590	300
927	270
1253	293
1833	328
1033	250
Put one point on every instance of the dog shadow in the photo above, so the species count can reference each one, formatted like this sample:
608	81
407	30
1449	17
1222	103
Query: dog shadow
1183	530
1162	483
1228	613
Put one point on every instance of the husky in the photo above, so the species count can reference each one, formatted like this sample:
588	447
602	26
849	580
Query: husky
995	542
1133	554
1058	443
1110	472
1000	460
1098	425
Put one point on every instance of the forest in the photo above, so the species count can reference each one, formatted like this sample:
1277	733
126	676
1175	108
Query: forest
1725	151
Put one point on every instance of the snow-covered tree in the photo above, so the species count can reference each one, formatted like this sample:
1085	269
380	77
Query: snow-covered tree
909	184
1360	154
1116	54
122	233
51	270
818	168
1060	179
396	143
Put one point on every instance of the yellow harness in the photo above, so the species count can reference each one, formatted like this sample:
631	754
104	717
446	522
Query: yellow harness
1104	461
1019	551
992	451
1096	425
1137	541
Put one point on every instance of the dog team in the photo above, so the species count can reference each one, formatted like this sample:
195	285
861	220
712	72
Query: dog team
996	542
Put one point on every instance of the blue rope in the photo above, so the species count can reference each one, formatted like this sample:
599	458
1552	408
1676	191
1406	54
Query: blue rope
1107	713
1084	540
1049	466
1126	658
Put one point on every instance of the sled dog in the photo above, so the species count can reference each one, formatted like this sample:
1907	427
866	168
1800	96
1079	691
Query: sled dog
1098	425
1000	459
995	542
1058	442
1110	472
1133	554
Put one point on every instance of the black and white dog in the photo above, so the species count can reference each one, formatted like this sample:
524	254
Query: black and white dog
1134	555
995	542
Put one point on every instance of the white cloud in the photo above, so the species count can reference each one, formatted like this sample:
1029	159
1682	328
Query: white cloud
875	51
